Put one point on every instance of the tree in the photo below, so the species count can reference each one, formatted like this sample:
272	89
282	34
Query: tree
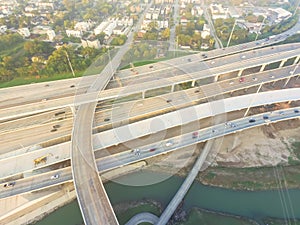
101	37
165	34
69	4
153	26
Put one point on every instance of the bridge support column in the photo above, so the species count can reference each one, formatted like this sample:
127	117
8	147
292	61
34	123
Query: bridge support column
216	78
240	72
282	63
296	60
193	83
73	110
262	67
172	87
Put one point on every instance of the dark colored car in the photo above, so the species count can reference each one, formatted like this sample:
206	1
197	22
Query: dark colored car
152	149
265	117
10	184
251	120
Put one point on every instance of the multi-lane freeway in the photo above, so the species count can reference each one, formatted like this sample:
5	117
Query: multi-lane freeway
83	162
228	105
128	111
44	180
214	71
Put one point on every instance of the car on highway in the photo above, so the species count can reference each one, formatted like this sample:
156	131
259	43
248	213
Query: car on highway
265	117
53	130
9	184
169	100
56	126
152	149
136	151
169	143
55	176
254	78
272	76
189	60
72	86
59	113
252	120
195	134
243	57
296	110
242	79
151	67
231	82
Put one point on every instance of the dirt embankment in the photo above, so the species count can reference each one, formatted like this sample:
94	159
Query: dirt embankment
252	159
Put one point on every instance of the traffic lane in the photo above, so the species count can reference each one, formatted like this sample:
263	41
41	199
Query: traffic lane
160	103
171	144
54	154
36	182
54	87
177	100
29	136
199	65
52	104
35	120
207	133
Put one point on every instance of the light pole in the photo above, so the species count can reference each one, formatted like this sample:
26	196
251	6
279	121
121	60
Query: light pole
296	7
231	34
291	74
260	28
253	99
70	63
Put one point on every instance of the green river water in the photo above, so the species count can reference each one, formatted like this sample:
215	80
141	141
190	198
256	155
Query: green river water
255	205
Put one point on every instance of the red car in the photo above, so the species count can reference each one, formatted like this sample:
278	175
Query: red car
195	134
242	79
152	149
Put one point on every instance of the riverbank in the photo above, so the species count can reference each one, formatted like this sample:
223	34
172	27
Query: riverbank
283	151
193	216
255	159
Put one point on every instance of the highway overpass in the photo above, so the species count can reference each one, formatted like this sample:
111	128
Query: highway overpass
213	72
203	110
129	111
42	181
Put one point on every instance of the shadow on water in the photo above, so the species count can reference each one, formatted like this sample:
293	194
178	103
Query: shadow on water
255	205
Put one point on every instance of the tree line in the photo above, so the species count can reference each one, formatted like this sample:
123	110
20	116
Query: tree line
36	58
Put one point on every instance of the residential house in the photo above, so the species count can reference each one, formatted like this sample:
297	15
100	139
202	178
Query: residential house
74	33
24	32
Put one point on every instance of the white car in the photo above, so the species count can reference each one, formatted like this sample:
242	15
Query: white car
56	176
169	143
